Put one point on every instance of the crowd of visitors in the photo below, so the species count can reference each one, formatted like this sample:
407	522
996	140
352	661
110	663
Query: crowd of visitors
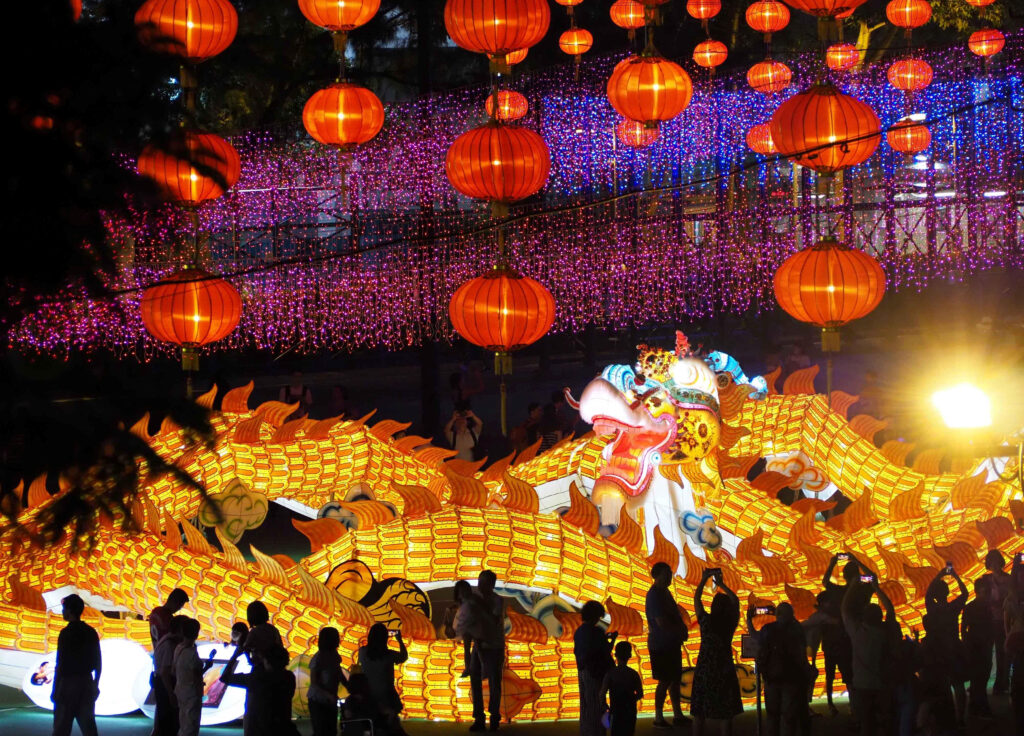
898	683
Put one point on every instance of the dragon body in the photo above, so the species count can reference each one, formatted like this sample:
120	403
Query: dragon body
573	521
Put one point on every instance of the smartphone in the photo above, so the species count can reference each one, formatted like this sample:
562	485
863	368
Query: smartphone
843	557
949	567
1020	557
867	578
765	610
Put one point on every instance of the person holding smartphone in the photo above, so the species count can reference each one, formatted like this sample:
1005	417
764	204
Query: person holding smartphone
782	662
875	640
716	691
835	642
943	629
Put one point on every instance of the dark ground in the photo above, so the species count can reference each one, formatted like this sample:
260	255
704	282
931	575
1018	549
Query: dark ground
18	717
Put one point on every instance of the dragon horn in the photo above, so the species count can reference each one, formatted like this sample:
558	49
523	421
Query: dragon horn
570	400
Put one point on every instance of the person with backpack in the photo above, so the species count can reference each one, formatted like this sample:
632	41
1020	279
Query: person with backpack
785	669
593	652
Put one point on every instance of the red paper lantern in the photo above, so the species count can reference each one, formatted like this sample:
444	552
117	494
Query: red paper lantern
759	140
710	53
769	76
628	14
76	9
191	308
514	57
194	30
496	27
339	15
576	41
910	75
635	134
841	56
767	16
825	130
827	8
343	114
829	285
192	168
703	9
649	89
908	13
908	136
502	311
980	3
511	106
500	163
986	42
569	3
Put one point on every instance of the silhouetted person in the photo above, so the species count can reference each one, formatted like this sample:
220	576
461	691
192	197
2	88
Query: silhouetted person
623	688
525	434
716	691
76	681
835	642
188	679
166	717
549	429
998	581
782	660
488	657
976	630
874	641
466	621
160	617
945	632
378	661
1013	622
666	633
593	651
263	635
269	690
159	625
297	392
325	677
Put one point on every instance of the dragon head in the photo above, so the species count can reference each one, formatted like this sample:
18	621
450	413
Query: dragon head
663	410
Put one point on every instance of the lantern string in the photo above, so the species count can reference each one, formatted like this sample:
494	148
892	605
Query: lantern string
494	225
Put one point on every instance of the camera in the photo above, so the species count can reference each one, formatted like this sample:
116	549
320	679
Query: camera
867	578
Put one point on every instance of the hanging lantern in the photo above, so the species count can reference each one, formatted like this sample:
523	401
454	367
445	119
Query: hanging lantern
908	136
986	42
76	9
769	76
502	311
500	163
343	114
569	4
194	30
841	56
649	88
759	140
710	53
910	75
767	16
628	14
191	308
703	9
827	8
635	134
511	105
908	13
339	15
829	285
980	3
514	57
825	130
576	41
496	27
192	168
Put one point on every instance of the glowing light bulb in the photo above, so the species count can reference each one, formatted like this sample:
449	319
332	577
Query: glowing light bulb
964	406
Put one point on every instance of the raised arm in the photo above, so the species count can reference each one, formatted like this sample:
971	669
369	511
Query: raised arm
403	653
698	603
849	609
890	611
826	581
961	600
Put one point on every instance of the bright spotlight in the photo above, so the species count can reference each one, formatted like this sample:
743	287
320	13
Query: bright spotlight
963	406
